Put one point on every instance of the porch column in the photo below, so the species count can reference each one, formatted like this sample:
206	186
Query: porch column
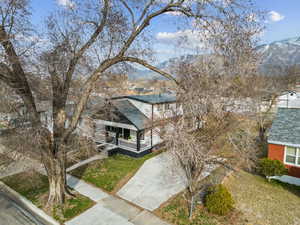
138	142
117	137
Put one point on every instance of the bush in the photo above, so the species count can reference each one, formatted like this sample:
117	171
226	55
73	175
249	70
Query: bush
269	167
219	200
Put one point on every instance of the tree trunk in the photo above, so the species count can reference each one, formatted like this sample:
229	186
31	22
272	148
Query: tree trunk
56	172
192	205
262	134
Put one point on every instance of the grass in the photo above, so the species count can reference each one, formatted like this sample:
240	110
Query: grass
34	187
176	212
111	173
176	209
263	202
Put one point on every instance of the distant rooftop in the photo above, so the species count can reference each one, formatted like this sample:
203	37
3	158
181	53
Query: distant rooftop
151	99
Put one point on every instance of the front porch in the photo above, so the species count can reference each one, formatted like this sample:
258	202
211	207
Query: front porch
124	139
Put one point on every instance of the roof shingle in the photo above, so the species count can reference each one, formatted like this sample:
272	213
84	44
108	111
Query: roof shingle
286	127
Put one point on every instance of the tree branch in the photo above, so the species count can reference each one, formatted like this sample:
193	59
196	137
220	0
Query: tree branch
88	44
153	68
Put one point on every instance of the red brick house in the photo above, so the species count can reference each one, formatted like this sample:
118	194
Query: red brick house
284	140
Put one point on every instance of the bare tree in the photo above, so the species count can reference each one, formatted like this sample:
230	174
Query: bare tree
263	96
210	98
87	38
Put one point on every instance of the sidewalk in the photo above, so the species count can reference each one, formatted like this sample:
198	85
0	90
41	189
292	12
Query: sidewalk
109	210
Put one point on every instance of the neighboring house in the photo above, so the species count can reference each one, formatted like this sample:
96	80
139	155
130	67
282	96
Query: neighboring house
129	124
287	98
284	137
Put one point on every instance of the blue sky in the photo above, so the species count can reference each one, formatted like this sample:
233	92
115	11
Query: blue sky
282	21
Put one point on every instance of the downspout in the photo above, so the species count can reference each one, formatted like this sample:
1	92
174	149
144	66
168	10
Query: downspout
138	144
152	127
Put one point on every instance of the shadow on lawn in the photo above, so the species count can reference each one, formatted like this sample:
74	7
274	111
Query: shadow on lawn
289	187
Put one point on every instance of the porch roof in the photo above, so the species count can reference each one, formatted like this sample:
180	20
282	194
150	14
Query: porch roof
151	99
133	114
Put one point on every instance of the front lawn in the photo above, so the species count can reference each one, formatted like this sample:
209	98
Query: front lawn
264	203
176	209
111	173
176	212
35	188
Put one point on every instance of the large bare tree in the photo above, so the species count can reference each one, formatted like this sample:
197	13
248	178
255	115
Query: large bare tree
88	38
211	100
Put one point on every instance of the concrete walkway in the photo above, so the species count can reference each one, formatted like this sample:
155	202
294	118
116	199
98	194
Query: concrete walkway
287	179
81	163
109	210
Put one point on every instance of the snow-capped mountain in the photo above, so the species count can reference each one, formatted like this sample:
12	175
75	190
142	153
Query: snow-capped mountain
276	57
279	55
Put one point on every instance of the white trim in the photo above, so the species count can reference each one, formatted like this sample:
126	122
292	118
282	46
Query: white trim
297	157
284	143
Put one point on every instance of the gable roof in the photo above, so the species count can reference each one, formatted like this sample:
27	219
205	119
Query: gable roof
151	99
133	114
285	129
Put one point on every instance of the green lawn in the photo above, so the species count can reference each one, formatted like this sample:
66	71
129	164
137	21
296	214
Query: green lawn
176	209
176	212
34	187
111	173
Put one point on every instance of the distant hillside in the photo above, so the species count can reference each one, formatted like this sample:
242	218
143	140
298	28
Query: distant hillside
276	57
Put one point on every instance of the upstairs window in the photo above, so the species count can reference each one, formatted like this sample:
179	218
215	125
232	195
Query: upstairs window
292	156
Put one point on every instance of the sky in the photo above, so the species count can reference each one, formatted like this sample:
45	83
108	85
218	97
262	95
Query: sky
282	22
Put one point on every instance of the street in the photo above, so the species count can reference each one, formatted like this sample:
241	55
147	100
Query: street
12	213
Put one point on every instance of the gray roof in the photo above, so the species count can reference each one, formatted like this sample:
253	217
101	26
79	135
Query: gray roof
133	114
285	129
152	99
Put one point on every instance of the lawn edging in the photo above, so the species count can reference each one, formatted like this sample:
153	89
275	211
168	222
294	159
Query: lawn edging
30	205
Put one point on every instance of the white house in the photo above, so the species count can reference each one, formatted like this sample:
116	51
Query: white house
131	124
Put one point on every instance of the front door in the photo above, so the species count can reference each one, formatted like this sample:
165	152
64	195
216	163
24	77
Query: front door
126	134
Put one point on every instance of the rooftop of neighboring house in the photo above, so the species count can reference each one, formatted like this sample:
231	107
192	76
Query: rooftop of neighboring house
285	129
151	99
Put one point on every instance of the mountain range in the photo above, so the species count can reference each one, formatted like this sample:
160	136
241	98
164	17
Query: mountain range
276	57
279	55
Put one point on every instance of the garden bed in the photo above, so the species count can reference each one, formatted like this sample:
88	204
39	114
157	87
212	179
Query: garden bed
35	188
111	173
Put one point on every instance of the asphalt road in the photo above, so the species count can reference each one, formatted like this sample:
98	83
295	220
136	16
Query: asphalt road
12	213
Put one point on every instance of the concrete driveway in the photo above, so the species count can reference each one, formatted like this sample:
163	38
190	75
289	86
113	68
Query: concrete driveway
12	213
155	182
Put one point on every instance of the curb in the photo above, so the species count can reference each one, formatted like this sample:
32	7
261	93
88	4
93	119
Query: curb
30	205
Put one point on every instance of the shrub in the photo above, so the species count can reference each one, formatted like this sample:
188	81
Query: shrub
269	167
219	200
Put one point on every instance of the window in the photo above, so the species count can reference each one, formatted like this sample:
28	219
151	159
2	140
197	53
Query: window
160	107
292	155
142	135
168	106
